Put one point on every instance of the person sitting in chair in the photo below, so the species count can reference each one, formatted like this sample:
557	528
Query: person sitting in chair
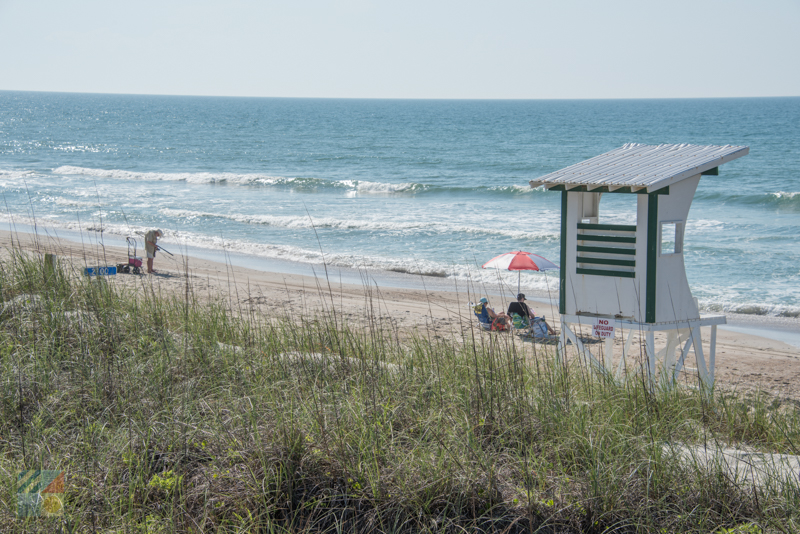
487	315
521	308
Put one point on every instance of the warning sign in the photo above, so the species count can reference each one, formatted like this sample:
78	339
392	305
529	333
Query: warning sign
603	328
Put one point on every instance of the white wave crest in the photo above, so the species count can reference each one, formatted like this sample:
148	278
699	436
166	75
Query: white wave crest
363	186
705	224
15	175
354	186
516	188
750	308
190	177
303	221
785	194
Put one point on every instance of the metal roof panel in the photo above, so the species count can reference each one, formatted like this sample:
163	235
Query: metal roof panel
639	165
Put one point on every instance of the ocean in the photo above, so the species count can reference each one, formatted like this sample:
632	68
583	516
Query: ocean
397	187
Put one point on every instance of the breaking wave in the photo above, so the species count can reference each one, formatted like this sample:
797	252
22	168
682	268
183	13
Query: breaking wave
15	175
247	179
365	187
777	199
291	221
757	309
190	177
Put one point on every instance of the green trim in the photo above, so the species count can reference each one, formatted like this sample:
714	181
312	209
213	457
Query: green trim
607	238
607	261
652	257
711	172
562	288
604	189
613	227
607	250
599	272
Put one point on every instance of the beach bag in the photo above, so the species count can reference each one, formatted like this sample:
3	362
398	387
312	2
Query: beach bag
499	325
539	328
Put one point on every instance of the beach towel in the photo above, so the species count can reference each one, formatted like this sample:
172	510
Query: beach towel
520	322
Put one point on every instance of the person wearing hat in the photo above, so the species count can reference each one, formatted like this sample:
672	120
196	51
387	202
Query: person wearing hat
521	308
150	239
487	315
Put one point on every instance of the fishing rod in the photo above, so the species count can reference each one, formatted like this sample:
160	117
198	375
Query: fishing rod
159	247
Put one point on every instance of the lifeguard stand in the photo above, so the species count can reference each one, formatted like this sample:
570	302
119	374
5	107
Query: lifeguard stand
633	275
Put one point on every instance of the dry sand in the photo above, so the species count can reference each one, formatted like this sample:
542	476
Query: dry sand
744	362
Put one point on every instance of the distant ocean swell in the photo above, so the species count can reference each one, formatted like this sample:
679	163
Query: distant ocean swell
297	183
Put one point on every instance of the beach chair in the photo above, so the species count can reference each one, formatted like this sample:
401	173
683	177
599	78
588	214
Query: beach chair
494	326
476	309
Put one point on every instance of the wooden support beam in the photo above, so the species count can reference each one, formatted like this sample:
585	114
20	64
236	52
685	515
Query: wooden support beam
682	359
649	346
702	370
712	356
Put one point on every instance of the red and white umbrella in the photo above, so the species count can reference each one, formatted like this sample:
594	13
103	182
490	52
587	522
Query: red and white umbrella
520	261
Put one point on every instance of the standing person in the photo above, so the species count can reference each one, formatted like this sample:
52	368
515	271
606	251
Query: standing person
150	239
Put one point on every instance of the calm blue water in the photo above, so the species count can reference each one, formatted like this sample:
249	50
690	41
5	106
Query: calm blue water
433	186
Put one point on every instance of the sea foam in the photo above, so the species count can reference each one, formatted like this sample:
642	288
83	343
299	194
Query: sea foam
358	186
428	226
351	187
8	175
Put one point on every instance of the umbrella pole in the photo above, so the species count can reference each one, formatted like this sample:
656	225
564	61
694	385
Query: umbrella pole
519	274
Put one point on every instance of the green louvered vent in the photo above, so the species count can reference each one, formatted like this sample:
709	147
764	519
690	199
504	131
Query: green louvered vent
606	250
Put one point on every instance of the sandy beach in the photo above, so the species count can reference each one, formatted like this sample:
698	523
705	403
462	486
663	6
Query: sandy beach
744	362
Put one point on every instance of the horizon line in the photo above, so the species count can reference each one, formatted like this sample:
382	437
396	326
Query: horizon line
392	98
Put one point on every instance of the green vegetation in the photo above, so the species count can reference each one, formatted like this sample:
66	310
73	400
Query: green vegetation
174	414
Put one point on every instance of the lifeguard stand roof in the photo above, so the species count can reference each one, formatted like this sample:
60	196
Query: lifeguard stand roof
638	166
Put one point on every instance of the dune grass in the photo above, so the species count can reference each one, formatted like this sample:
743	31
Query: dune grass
178	414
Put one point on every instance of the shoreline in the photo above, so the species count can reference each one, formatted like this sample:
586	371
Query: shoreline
777	328
744	363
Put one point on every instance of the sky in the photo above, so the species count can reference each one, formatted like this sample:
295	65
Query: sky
499	49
